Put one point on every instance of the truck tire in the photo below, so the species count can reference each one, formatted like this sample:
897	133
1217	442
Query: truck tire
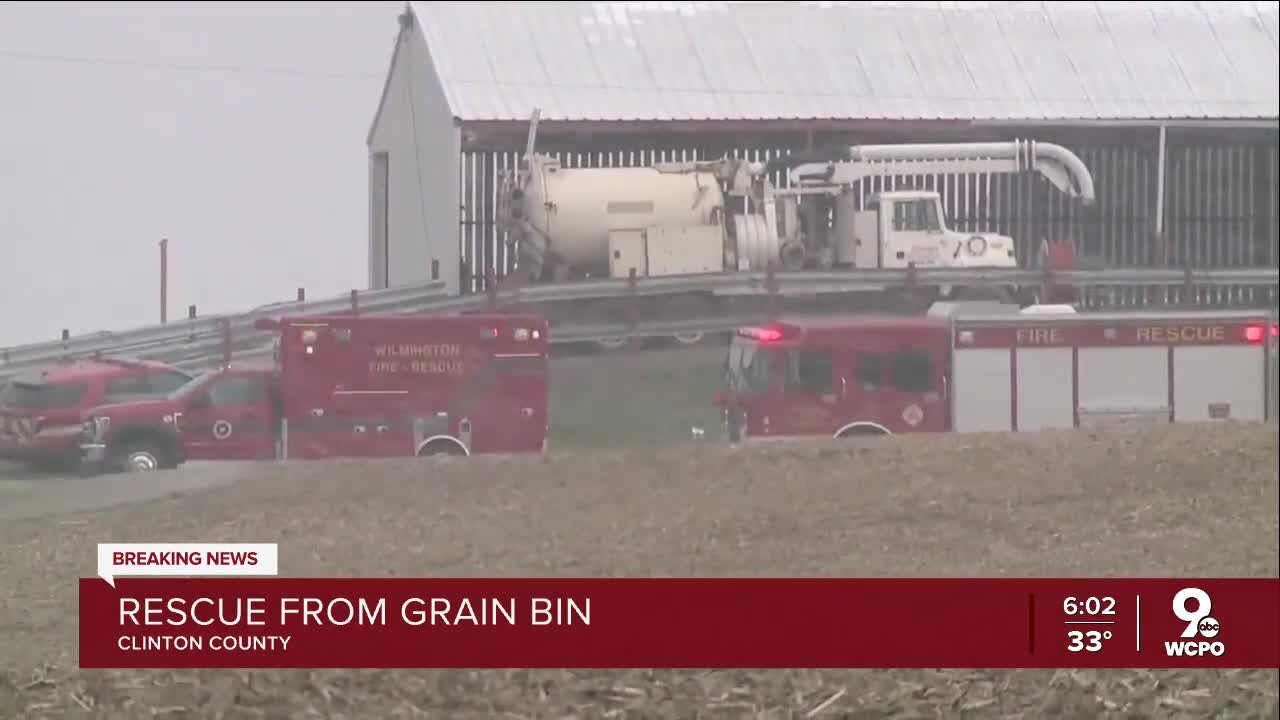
684	307
688	339
612	344
441	447
862	431
142	456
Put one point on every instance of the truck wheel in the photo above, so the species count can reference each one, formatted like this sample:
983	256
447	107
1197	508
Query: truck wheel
688	339
142	457
862	431
441	447
685	307
612	344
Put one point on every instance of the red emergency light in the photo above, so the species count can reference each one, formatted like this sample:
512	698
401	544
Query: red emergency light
761	334
1256	333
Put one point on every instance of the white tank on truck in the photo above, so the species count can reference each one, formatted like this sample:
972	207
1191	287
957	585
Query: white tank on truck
586	216
663	219
725	215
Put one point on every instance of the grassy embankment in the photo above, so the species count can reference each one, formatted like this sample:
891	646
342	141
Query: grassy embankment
634	399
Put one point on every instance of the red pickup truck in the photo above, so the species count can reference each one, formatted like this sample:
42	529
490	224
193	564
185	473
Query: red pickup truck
347	386
40	411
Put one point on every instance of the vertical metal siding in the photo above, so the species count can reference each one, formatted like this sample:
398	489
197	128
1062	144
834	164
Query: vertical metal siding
1262	208
1220	208
1221	211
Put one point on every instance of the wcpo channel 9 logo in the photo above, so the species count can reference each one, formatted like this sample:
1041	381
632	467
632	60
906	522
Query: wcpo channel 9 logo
1192	606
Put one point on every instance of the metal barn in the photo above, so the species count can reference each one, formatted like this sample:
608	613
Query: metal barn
1173	106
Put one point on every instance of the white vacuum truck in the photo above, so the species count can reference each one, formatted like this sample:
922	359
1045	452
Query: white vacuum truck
726	216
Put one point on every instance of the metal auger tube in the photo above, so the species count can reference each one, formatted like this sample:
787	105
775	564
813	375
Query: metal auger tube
1056	163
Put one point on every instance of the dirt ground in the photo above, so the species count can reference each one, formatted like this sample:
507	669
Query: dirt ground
1196	500
28	494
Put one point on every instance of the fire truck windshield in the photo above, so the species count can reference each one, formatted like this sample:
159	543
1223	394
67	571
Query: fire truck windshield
746	367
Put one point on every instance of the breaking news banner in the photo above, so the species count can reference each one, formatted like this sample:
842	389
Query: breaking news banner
197	605
176	619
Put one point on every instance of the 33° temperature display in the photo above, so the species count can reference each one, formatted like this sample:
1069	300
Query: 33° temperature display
1089	622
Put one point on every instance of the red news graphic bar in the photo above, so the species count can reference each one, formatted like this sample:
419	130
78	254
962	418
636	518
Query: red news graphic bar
681	623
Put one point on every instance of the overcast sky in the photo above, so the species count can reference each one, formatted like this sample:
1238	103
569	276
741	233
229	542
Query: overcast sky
236	130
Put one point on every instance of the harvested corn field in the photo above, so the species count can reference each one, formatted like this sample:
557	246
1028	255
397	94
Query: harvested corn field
1183	500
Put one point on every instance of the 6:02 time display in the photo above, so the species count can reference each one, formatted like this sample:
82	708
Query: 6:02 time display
1089	606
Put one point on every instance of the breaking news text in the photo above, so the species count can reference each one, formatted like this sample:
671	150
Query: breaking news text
666	622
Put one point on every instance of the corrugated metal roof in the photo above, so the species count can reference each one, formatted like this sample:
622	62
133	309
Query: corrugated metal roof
867	60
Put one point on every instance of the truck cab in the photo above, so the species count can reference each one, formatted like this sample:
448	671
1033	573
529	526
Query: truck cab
227	414
909	227
836	377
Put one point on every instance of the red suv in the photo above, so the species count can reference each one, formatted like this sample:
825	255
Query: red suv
40	411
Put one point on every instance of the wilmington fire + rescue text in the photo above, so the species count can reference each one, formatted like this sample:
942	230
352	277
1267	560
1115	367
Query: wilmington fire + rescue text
340	611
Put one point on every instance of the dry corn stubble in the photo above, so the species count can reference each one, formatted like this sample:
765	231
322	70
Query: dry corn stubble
1186	500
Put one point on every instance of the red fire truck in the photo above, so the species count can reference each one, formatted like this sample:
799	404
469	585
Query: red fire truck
347	387
1006	370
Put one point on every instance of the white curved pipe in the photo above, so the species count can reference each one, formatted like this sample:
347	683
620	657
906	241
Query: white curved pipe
1059	165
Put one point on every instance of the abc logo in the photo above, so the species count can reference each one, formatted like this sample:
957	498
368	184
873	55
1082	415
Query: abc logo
1199	623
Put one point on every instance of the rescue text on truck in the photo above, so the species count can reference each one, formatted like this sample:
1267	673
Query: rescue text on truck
725	216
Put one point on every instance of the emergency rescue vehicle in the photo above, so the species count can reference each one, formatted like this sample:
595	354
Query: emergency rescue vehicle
987	371
347	386
40	411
